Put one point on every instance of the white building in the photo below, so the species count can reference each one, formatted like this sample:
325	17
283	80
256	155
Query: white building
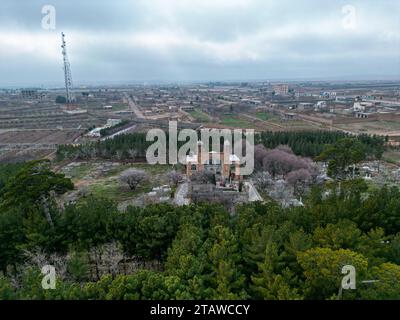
113	122
95	133
360	106
320	105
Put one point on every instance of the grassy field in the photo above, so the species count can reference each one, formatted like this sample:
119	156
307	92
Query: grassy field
392	156
79	172
264	116
112	189
235	121
200	115
390	125
371	127
299	125
153	169
105	183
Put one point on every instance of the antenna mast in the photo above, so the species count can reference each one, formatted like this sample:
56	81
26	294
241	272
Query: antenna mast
67	71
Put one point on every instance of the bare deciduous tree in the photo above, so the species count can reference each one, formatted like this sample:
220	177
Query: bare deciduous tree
111	255
281	162
132	154
133	177
263	180
298	180
175	177
39	259
118	155
280	191
259	154
285	148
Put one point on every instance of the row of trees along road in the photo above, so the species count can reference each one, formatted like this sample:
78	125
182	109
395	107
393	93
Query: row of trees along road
303	143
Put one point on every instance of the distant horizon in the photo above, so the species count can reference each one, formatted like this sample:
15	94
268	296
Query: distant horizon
79	85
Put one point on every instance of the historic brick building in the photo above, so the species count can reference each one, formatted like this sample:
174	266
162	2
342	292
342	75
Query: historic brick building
214	162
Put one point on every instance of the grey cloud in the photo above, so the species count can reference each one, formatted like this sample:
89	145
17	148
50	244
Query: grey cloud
243	41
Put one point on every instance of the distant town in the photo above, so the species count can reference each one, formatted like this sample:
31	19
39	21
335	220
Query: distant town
38	123
35	121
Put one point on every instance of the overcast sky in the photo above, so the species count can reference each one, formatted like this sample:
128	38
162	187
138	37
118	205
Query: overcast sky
199	40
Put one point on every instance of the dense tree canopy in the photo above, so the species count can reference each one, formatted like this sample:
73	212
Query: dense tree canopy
341	155
200	251
312	143
303	143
